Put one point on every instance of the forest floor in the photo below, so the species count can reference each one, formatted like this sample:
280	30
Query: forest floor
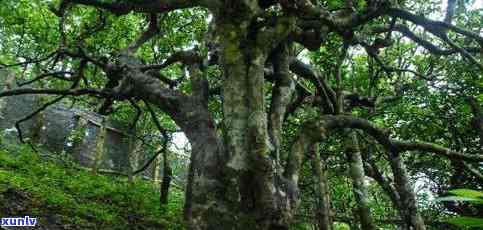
62	196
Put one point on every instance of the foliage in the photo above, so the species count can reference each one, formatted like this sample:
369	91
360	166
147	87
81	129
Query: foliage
465	195
83	200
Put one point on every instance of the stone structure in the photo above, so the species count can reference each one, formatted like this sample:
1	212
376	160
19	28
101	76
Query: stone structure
70	130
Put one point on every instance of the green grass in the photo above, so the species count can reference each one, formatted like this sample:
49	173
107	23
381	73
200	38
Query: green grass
83	200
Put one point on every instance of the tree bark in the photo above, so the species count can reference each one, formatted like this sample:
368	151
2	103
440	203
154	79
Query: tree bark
357	175
167	176
409	210
261	198
206	202
322	197
246	128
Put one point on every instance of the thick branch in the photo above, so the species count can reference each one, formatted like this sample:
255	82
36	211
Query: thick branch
282	94
186	57
121	7
435	27
321	187
404	30
305	71
146	35
409	209
346	18
68	92
382	136
357	174
316	131
450	11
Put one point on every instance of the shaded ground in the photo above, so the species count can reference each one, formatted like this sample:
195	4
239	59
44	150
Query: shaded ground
62	197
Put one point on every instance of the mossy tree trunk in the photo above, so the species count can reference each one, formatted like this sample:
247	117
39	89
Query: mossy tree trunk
409	208
357	174
322	205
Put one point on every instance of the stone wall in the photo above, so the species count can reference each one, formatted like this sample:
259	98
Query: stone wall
70	130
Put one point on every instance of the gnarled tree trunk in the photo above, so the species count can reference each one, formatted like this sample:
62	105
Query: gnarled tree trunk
322	197
357	174
409	210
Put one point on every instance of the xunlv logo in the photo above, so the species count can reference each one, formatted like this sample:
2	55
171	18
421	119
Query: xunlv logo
18	221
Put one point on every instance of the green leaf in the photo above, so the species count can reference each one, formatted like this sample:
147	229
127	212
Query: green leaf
456	198
467	221
468	193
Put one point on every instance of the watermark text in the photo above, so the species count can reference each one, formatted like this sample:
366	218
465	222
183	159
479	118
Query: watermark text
19	221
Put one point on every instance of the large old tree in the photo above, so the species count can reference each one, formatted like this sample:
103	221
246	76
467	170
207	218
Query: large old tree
262	88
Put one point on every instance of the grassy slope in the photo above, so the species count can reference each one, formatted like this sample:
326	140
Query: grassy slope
66	198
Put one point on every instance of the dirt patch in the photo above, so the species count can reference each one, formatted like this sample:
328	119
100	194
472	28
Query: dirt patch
16	203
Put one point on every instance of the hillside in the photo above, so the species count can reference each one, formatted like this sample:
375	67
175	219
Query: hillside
62	196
